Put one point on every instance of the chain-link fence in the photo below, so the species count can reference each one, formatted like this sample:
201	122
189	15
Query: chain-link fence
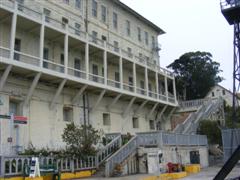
231	140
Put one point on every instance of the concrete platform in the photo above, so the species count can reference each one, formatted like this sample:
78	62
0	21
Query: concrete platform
205	174
209	173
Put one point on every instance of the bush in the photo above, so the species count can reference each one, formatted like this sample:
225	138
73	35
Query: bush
80	140
211	130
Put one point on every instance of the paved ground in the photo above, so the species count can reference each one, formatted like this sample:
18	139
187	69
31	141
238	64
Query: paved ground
205	174
209	173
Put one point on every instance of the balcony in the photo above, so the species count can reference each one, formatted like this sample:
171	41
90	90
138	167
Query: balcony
37	16
53	61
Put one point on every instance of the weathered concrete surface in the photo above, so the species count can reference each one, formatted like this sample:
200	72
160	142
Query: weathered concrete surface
210	173
132	177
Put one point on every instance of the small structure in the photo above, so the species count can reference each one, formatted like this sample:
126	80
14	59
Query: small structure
220	91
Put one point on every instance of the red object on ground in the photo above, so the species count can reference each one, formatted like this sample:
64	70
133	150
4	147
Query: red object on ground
173	167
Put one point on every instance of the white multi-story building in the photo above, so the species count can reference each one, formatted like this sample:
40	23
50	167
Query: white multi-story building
86	61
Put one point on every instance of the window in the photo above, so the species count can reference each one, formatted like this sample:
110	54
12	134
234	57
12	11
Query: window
142	86
78	4
94	37
66	1
104	38
117	79
130	83
15	107
20	5
146	38
128	28
95	72
17	49
135	122
223	92
106	119
151	125
153	42
104	13
46	53
77	66
213	94
115	44
67	113
64	21
47	13
115	20
94	8
139	34
77	29
150	89
129	52
45	57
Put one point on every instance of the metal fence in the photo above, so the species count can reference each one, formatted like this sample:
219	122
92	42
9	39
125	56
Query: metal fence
231	140
15	165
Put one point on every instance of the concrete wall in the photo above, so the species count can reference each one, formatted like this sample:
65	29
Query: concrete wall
46	125
170	154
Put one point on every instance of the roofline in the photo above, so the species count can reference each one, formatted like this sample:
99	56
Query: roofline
137	15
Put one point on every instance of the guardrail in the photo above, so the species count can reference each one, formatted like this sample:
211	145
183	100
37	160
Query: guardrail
108	150
14	165
206	108
157	138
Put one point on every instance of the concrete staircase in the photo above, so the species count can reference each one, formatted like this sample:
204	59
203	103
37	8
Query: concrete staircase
204	109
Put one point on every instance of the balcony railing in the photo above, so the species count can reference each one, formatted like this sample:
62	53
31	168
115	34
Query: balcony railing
57	24
50	64
141	91
96	78
77	73
128	87
4	52
26	58
113	83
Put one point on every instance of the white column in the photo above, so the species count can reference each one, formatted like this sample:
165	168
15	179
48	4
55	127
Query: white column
13	32
157	86
121	72
105	63
41	46
174	90
87	57
134	77
166	87
146	80
66	52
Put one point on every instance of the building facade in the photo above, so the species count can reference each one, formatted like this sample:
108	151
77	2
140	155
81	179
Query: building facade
220	91
84	61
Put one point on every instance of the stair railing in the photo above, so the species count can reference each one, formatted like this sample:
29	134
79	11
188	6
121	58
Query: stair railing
119	156
108	150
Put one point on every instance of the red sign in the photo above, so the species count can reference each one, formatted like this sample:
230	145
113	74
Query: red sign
20	119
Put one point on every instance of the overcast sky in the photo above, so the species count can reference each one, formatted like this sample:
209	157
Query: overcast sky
190	25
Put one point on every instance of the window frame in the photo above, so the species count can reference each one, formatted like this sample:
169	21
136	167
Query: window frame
103	13
115	20
128	28
94	8
107	119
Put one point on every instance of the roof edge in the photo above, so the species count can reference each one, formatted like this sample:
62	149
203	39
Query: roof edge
139	16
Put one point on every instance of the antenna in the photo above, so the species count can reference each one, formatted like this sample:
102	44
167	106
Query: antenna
231	11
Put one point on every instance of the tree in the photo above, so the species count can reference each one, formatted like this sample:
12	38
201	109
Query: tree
212	130
80	140
195	73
